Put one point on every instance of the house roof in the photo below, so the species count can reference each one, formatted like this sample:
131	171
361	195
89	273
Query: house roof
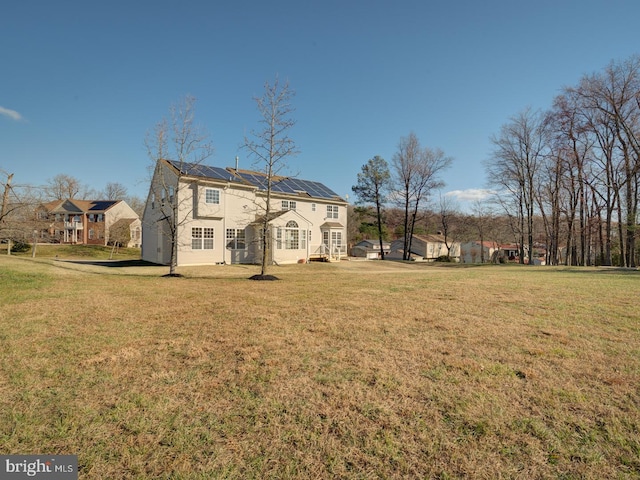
279	184
429	238
80	206
331	225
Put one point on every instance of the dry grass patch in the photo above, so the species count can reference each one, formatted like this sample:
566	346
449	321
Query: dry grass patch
357	370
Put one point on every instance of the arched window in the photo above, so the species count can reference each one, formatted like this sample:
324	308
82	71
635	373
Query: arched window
291	236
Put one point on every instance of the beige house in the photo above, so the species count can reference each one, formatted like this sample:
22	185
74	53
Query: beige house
218	214
425	248
476	251
89	222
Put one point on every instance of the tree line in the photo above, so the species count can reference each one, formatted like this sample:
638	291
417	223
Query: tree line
576	167
563	180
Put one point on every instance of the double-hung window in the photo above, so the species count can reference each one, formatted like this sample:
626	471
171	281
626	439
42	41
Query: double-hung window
235	239
202	238
332	211
288	205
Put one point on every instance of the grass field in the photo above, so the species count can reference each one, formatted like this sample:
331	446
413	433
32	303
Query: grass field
351	370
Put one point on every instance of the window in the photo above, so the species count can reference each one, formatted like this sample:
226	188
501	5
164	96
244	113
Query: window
196	238
208	238
91	235
170	194
92	218
235	239
100	217
313	207
212	195
153	201
202	238
291	236
336	238
288	205
332	211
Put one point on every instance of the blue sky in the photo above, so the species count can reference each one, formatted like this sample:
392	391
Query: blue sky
82	82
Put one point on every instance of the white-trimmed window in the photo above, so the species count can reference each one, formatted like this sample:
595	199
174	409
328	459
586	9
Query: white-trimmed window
212	195
288	205
336	238
236	239
202	238
332	211
91	234
291	236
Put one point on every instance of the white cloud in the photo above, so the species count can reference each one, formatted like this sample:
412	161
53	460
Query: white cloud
471	194
12	114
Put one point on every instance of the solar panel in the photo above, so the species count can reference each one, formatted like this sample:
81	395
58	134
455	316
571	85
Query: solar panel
286	185
198	170
101	205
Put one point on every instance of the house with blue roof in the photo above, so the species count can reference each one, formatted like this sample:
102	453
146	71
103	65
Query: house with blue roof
207	215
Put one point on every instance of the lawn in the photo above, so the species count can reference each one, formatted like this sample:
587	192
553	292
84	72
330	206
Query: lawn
351	370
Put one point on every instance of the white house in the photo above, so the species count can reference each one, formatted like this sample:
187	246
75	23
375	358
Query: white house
218	214
370	249
426	247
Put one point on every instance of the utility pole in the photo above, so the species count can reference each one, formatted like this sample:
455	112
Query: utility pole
5	197
3	207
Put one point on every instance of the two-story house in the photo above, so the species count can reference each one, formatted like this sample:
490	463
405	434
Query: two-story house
89	222
214	215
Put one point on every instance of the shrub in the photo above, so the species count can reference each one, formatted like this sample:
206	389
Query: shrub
20	247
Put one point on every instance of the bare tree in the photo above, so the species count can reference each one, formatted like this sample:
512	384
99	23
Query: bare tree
113	191
63	187
18	221
181	140
449	218
416	175
270	147
482	221
518	152
374	182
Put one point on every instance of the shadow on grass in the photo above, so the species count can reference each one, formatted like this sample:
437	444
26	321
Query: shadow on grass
115	263
601	270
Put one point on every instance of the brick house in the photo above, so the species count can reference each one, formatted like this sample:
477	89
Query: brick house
87	222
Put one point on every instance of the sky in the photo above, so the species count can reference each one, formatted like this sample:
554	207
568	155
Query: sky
82	83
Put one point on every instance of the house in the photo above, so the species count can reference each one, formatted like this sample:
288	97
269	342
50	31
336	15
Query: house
476	251
216	216
87	222
370	249
425	247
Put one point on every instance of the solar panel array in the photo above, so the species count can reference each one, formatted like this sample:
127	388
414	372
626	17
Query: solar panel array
203	171
101	205
291	186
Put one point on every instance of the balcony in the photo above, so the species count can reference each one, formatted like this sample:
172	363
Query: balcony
73	225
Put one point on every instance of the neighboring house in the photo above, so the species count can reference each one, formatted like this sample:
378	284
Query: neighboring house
425	247
219	215
510	252
87	222
474	251
370	249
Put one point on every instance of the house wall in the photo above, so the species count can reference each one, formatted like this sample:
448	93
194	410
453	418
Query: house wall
117	212
238	208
